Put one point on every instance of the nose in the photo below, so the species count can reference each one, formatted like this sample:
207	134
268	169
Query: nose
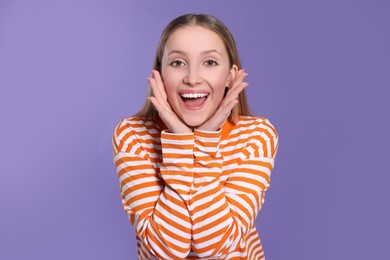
193	77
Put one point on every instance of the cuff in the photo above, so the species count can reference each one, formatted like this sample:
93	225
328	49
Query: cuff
180	146
207	141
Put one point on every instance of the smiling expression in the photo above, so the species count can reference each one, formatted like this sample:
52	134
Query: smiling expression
195	70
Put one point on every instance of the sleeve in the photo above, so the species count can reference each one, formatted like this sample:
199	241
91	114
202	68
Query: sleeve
158	214
222	215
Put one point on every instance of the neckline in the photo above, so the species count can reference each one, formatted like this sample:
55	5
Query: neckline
226	127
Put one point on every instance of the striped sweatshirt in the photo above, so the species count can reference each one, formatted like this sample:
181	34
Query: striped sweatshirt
195	195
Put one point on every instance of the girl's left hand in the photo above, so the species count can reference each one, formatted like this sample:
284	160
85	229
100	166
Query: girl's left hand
228	102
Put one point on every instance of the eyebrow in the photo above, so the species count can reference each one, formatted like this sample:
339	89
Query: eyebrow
203	52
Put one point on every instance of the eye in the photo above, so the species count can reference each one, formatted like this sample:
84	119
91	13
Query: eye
177	63
211	63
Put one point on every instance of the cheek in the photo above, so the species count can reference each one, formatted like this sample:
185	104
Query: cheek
218	76
219	84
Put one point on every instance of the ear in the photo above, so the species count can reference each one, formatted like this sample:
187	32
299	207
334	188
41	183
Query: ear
232	74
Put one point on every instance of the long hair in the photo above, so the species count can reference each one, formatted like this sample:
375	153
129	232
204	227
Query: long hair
209	22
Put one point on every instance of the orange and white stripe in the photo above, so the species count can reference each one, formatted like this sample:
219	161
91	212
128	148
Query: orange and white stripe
195	195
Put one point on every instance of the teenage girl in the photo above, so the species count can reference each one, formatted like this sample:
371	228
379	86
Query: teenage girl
194	164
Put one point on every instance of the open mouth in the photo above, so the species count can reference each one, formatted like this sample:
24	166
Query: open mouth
194	100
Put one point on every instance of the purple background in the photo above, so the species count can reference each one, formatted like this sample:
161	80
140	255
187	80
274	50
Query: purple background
70	70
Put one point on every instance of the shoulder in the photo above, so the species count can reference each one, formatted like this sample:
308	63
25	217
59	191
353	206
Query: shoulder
137	124
260	129
257	125
134	128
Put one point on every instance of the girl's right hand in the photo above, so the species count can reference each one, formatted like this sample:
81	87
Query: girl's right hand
160	102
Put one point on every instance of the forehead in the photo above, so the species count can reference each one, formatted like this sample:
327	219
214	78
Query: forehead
194	37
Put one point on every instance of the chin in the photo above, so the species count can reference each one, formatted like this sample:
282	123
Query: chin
193	123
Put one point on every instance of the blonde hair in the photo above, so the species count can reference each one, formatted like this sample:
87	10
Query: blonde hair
215	25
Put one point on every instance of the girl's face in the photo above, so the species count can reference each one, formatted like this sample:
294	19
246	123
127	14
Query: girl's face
195	70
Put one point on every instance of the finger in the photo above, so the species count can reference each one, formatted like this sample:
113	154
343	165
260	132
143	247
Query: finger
236	88
160	89
240	75
238	79
155	88
160	109
226	109
160	83
234	92
158	93
152	85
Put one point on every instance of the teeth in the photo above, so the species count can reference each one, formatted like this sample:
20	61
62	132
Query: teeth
193	95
